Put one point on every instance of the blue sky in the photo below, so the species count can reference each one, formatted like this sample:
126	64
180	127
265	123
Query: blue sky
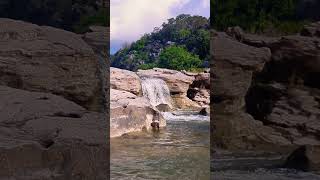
130	19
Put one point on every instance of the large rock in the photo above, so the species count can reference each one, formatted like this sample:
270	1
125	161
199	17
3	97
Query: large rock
46	59
98	39
121	79
199	90
264	100
312	30
47	137
130	113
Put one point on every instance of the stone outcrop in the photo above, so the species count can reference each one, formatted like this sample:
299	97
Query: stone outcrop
125	80
98	39
52	116
46	59
48	137
131	113
266	96
199	90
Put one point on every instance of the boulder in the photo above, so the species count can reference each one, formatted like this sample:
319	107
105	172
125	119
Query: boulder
48	137
125	80
130	113
311	30
45	59
199	90
98	39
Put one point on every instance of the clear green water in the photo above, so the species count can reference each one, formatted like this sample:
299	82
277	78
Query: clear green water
180	151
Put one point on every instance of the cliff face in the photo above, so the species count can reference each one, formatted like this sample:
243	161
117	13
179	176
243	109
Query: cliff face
265	95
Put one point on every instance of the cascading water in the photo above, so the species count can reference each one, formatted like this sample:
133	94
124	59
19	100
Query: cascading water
157	91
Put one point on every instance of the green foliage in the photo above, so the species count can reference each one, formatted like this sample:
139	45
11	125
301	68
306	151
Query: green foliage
147	66
256	15
178	58
191	32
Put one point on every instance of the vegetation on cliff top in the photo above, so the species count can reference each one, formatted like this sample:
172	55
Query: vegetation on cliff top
264	16
72	15
181	43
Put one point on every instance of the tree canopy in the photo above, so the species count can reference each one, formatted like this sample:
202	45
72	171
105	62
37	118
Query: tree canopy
187	35
260	15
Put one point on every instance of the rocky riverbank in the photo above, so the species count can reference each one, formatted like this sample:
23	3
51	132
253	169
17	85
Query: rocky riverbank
266	98
52	104
131	111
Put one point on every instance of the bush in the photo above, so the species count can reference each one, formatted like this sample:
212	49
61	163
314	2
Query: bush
178	58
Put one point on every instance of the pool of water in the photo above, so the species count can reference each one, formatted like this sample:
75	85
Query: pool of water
179	151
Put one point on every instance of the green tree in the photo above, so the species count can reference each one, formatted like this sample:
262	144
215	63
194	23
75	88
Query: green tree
178	58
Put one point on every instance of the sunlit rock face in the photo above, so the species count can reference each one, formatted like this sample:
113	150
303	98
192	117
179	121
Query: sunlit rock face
130	113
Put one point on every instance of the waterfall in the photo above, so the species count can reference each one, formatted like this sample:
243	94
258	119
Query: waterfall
157	91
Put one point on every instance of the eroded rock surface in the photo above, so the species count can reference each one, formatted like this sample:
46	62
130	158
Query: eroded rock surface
130	113
46	136
45	59
125	80
266	95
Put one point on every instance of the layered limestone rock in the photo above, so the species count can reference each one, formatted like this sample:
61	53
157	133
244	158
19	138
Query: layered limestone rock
125	80
131	113
39	58
266	96
50	86
48	137
98	39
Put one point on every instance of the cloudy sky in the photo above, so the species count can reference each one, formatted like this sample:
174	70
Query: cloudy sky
130	19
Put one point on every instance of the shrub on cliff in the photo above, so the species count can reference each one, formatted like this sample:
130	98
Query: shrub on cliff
178	58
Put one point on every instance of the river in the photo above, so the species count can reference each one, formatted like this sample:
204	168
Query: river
179	151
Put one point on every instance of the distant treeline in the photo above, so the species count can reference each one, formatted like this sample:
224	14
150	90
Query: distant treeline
72	15
284	16
181	43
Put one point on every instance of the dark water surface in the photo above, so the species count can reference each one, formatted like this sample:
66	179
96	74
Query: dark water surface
180	151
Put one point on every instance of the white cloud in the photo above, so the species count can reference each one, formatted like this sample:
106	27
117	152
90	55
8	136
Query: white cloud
205	3
130	19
